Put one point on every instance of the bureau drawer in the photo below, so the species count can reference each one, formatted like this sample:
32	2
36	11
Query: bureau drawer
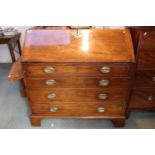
143	98
146	59
148	39
145	78
77	95
79	109
76	82
115	69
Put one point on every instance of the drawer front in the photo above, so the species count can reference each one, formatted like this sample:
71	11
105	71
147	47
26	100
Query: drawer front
148	39
77	95
143	98
146	59
80	69
145	78
79	109
77	82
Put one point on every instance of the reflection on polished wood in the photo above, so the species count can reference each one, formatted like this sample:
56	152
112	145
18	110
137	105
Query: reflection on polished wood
78	73
93	45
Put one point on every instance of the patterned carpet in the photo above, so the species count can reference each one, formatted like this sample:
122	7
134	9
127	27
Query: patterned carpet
14	112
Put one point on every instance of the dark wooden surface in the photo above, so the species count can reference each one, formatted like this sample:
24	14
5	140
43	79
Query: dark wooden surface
145	78
143	98
146	59
143	95
147	40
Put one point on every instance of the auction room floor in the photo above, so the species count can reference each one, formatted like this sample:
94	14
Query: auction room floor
14	112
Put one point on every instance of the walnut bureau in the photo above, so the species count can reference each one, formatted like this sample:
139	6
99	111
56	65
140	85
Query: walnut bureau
83	74
143	95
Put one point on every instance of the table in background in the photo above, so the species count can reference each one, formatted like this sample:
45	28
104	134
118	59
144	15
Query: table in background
12	41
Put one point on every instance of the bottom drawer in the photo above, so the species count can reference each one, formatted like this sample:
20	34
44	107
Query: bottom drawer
142	98
79	109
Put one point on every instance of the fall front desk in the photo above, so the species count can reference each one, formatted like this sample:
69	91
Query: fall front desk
86	74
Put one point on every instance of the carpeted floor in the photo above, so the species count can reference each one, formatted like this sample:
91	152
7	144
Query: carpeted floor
14	112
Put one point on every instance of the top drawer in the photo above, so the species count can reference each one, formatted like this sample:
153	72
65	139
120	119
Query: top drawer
148	40
52	69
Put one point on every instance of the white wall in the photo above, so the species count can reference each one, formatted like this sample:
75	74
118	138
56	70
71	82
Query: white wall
4	52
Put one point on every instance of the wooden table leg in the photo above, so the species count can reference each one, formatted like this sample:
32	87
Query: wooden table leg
35	121
11	49
19	46
119	122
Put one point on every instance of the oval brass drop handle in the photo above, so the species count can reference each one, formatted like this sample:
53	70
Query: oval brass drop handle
51	96
50	82
103	96
54	109
145	33
150	98
101	109
153	78
105	69
49	69
104	82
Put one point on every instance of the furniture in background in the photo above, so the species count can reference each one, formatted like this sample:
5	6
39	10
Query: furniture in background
12	41
143	95
85	75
